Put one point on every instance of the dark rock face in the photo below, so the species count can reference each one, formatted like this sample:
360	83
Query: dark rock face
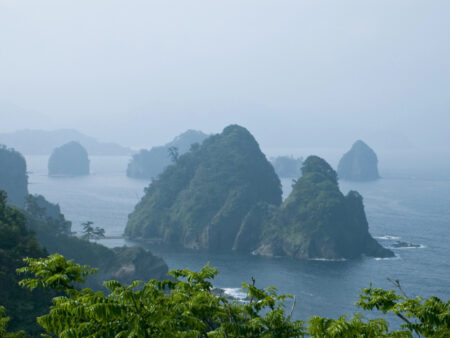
318	221
71	159
287	166
359	164
13	176
148	164
201	201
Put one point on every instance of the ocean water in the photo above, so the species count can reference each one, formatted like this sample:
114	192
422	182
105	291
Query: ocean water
413	210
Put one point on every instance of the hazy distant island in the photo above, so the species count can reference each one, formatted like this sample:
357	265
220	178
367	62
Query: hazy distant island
315	221
360	163
71	159
148	164
42	142
13	175
201	200
224	195
287	166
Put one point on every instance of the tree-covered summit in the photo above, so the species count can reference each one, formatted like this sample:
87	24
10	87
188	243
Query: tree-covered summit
318	221
360	163
201	199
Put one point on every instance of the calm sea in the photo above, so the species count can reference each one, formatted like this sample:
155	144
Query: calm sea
398	209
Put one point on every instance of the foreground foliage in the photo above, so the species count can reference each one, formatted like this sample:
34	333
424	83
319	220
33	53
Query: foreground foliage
16	243
188	306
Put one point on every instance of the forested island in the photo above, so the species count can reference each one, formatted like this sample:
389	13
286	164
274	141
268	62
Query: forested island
13	175
224	195
200	200
315	221
71	159
148	164
360	163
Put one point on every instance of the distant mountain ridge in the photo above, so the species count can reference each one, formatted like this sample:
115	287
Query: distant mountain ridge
42	142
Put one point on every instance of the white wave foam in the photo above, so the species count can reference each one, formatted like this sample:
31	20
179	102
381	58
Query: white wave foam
327	259
396	257
421	246
388	237
235	293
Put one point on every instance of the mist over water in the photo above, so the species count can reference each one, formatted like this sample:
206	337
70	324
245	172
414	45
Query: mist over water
413	210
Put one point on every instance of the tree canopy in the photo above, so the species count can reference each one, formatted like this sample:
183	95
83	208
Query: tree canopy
187	306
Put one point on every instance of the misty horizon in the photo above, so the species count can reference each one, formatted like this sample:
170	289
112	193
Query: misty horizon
296	74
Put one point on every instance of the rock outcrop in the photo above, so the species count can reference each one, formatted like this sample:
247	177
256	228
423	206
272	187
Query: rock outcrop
148	164
201	200
316	221
71	159
360	163
13	176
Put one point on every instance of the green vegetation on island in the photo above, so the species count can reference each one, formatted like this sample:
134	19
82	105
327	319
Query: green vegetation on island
71	159
317	220
148	164
360	163
13	175
201	200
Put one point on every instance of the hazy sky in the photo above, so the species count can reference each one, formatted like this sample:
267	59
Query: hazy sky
295	73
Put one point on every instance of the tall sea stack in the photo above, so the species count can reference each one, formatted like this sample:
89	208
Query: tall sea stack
201	200
360	163
316	221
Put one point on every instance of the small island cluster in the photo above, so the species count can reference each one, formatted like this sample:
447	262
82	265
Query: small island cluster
224	195
220	193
